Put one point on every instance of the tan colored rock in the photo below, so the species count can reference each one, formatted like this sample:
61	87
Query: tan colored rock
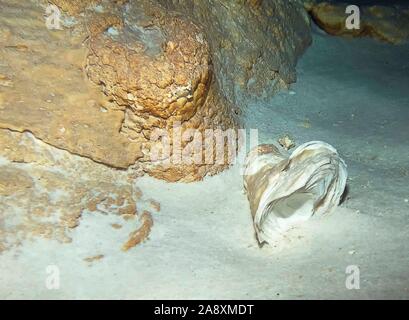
141	234
5	81
74	7
255	44
100	23
44	191
385	23
50	94
157	69
92	259
161	77
14	181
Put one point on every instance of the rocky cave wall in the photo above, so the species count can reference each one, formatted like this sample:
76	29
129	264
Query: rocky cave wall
255	44
149	64
78	105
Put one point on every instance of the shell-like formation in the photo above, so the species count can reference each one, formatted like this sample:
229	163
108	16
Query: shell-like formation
284	190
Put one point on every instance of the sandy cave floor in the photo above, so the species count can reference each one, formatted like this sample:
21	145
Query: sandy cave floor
350	93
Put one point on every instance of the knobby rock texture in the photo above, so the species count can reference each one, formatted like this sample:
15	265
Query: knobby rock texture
156	67
118	70
79	105
255	44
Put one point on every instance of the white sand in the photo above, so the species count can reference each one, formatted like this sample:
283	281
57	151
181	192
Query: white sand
352	94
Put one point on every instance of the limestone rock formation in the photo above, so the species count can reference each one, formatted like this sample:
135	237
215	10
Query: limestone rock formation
385	23
156	67
152	64
79	104
45	191
255	44
44	90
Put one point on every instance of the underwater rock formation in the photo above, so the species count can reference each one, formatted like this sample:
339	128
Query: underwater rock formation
156	67
83	100
45	191
255	44
153	68
385	23
44	90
